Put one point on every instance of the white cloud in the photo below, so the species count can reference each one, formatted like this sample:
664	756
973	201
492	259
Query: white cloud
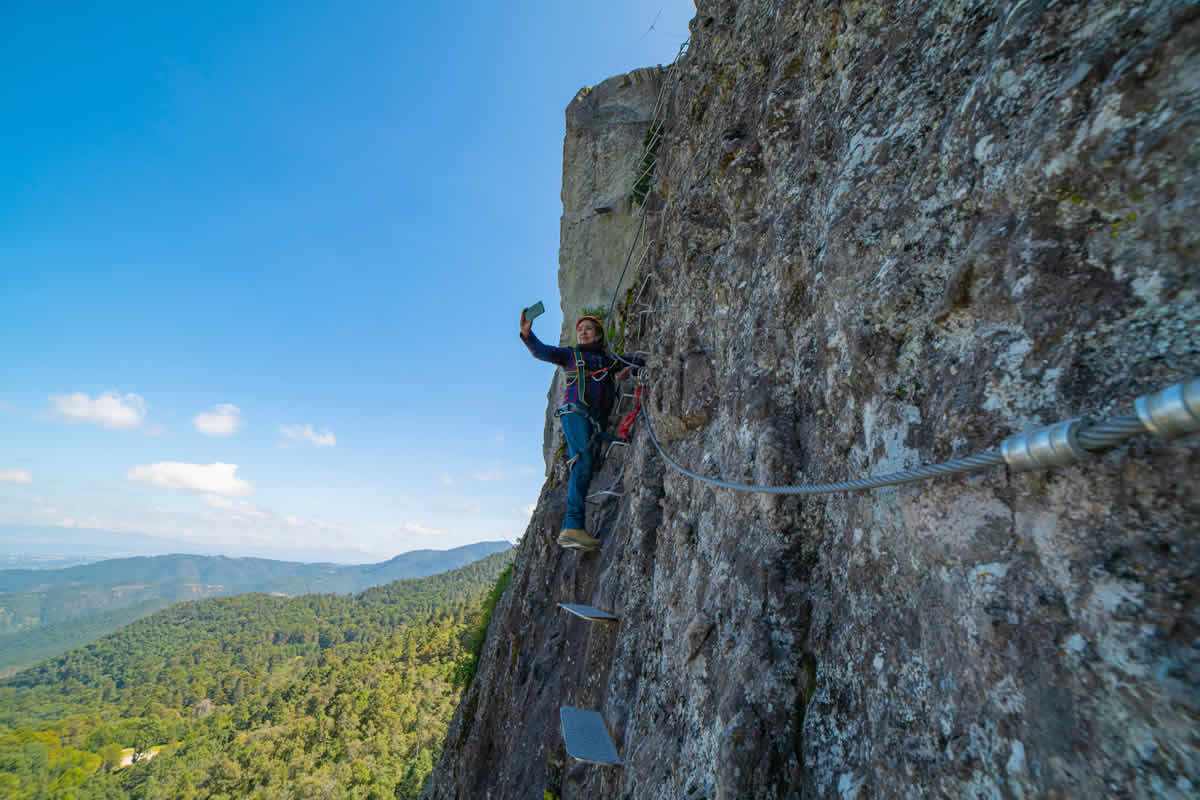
242	508
493	475
110	409
447	479
214	479
418	528
223	419
16	476
306	433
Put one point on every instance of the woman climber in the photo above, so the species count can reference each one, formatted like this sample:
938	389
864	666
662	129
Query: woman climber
587	401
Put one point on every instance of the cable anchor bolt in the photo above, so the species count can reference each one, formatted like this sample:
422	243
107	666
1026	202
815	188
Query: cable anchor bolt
1171	412
1056	446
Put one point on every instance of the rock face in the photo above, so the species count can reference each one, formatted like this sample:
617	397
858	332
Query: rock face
887	234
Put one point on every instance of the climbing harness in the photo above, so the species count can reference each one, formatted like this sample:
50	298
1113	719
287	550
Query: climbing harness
579	375
576	408
580	372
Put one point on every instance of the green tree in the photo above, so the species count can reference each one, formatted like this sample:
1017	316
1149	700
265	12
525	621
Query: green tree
147	733
110	756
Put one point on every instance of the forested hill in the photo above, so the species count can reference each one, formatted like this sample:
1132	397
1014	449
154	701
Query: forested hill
46	612
251	695
247	571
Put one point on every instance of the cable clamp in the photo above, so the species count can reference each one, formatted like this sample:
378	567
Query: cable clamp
1171	412
1056	446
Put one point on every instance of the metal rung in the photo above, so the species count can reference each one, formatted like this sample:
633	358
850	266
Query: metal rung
590	613
586	736
638	297
611	445
605	493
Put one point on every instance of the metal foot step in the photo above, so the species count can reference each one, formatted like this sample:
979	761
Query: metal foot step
586	736
590	613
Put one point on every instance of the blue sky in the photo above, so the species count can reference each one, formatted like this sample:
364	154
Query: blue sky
295	238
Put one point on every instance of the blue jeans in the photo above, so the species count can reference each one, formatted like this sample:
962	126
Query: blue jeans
577	427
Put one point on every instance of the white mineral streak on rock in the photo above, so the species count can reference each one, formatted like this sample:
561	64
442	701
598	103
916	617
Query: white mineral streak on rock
1007	696
1016	761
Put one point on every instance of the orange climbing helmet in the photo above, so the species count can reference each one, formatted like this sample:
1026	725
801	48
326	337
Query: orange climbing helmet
599	324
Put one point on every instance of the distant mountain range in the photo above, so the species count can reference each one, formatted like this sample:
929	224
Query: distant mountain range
42	546
44	612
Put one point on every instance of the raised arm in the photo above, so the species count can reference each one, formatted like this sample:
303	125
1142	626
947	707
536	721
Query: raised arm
544	352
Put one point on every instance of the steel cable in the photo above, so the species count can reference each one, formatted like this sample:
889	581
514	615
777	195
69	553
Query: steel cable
1110	433
1094	438
953	467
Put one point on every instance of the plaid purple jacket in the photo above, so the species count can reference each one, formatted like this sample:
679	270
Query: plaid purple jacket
599	371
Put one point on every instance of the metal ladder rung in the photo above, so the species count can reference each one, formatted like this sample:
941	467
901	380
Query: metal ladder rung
611	445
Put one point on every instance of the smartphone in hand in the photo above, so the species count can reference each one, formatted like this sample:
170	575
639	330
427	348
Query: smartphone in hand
534	311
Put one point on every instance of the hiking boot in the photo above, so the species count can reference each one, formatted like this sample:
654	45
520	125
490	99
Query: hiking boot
567	544
578	539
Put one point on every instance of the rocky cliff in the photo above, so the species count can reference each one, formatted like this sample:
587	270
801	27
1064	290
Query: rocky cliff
886	234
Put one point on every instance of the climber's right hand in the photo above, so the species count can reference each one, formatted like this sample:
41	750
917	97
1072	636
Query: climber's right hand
526	324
